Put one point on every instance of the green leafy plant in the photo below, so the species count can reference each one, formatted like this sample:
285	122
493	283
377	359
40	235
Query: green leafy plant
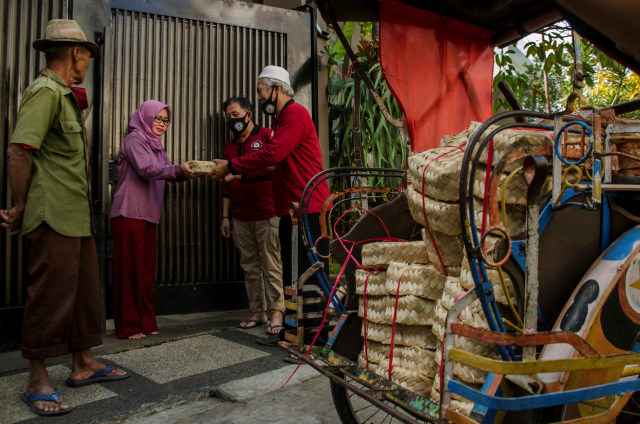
545	83
381	141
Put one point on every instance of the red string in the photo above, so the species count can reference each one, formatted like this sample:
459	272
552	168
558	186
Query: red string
324	317
342	270
393	324
350	70
424	214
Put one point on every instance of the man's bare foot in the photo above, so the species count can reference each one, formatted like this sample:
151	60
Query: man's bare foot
85	365
45	389
154	333
254	320
137	336
275	324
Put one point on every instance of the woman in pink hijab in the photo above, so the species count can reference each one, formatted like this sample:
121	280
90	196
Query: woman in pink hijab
143	168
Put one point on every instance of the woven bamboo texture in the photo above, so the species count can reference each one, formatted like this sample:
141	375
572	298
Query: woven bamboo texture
405	335
410	379
442	175
408	357
458	403
450	247
442	216
455	139
376	285
415	279
411	310
382	254
464	372
511	139
467	316
376	308
466	281
516	217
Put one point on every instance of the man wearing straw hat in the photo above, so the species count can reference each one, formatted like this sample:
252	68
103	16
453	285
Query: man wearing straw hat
48	168
295	151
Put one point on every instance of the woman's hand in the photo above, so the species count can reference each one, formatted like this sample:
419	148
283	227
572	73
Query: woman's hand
187	171
225	227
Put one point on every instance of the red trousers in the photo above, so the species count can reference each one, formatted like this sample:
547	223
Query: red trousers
134	266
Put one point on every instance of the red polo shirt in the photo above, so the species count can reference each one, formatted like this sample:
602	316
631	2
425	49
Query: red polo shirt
251	197
295	149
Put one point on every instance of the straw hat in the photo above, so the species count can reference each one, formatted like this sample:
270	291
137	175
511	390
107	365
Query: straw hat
65	31
275	73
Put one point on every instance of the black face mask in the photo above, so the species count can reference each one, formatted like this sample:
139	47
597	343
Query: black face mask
238	125
269	106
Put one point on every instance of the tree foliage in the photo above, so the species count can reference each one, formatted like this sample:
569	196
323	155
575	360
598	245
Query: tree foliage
381	141
546	82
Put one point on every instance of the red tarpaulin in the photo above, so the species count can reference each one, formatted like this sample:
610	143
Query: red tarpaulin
439	69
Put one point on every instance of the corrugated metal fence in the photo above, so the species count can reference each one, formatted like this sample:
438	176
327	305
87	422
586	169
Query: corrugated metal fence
21	22
193	66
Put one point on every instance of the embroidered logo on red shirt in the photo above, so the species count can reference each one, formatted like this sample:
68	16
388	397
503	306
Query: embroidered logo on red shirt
256	145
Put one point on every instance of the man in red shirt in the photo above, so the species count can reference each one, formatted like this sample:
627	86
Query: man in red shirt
248	200
295	151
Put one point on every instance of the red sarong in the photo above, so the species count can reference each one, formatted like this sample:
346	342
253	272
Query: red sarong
134	266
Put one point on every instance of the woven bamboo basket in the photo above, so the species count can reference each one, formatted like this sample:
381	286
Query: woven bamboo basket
411	310
410	379
458	403
376	284
455	139
508	140
466	281
442	216
464	372
382	254
516	217
450	248
415	279
376	308
516	190
405	335
467	316
407	357
442	175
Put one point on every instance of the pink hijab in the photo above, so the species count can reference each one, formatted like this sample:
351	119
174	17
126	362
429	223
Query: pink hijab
142	121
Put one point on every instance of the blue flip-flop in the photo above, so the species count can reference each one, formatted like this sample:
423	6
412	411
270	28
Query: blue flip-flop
97	377
273	327
257	322
51	397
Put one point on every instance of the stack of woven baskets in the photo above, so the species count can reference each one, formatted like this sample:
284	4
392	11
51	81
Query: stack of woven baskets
414	284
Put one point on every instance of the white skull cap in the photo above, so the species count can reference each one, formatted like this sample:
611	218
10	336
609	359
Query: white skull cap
276	73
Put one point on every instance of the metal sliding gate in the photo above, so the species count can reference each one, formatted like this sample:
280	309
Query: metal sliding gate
192	55
193	66
21	22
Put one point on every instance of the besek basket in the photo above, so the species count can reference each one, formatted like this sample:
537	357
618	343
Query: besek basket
381	254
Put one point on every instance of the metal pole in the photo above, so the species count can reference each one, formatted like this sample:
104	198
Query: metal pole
535	173
313	11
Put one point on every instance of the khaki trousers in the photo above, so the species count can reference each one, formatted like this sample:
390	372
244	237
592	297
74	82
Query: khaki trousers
259	249
63	311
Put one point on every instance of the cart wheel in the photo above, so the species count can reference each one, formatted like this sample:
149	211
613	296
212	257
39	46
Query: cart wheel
604	310
352	409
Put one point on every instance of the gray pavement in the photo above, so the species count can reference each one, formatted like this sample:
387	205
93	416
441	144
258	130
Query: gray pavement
201	368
